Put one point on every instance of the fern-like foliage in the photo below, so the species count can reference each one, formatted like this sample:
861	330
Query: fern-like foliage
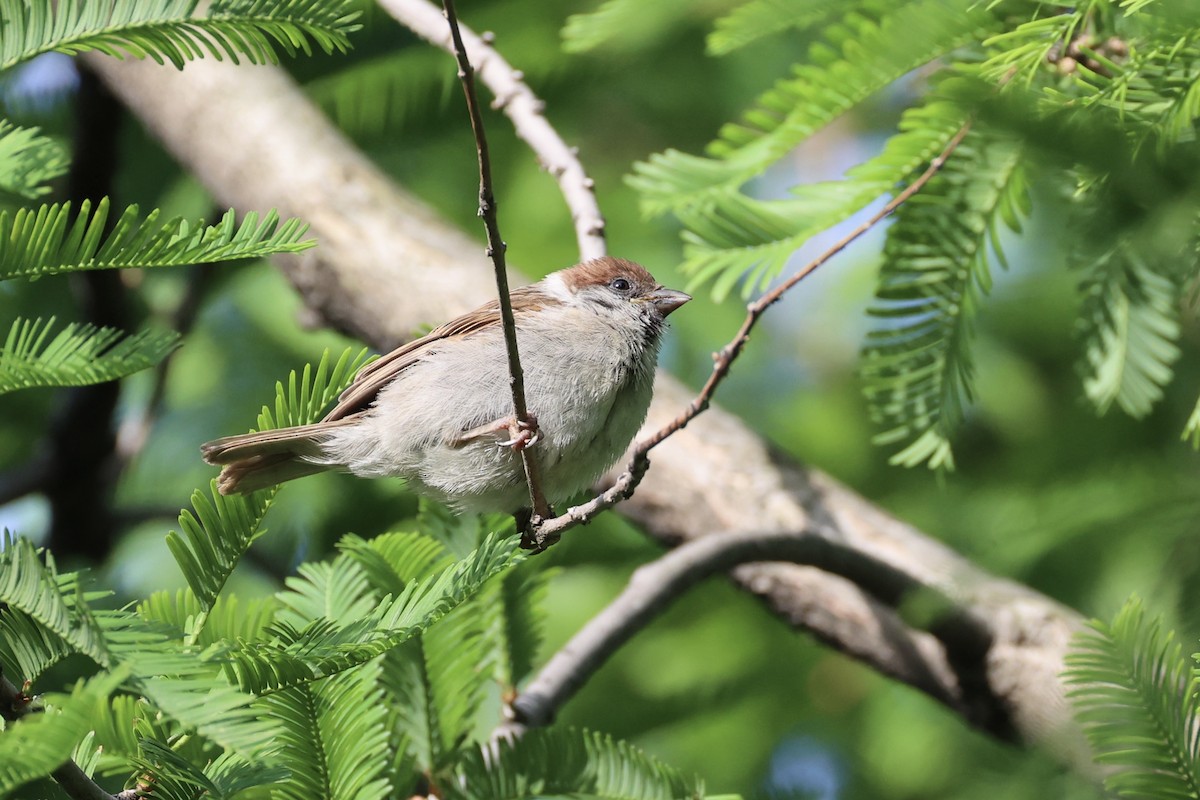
566	761
1020	54
31	584
460	535
1137	699
752	21
1120	79
374	96
220	529
28	648
229	618
324	648
333	734
52	239
1131	324
873	45
177	778
189	686
626	24
77	355
361	680
517	618
1156	91
39	743
917	362
173	30
27	161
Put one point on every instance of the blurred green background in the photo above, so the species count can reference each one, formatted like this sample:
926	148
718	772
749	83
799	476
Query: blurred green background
1083	508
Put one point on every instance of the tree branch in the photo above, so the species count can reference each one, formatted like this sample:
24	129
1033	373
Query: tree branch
84	462
495	250
525	109
270	148
656	585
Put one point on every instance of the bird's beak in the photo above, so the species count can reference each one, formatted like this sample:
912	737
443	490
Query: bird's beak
667	300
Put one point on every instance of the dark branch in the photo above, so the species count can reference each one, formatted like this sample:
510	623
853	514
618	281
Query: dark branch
81	442
656	585
496	247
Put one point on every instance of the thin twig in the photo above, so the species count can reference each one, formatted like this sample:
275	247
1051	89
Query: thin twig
496	247
13	706
723	360
657	584
525	109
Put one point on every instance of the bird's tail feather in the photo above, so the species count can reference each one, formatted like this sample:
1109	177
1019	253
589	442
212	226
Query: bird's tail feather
253	461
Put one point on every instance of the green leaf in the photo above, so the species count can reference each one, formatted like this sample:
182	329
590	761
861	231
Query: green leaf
177	778
741	238
55	602
460	533
333	737
857	56
77	355
1137	701
374	96
551	762
172	30
518	619
39	743
1021	53
51	239
27	161
325	647
752	21
27	648
1191	429
339	592
190	687
1131	323
458	659
626	25
221	528
229	618
392	560
413	710
216	533
122	726
917	361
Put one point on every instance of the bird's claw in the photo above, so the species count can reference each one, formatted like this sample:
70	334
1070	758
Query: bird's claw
523	433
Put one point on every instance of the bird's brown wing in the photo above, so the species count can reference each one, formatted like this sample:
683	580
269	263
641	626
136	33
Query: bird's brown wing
371	379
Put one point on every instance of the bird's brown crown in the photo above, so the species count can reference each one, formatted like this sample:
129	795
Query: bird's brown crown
601	271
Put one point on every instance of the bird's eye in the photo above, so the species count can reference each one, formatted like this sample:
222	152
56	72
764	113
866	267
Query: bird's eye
620	284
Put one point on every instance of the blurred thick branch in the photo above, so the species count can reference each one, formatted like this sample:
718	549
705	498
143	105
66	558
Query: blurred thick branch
386	264
656	585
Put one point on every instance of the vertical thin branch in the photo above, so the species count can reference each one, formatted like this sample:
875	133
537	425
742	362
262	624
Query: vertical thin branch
496	247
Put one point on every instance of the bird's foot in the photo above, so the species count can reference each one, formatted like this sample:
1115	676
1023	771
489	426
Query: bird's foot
522	433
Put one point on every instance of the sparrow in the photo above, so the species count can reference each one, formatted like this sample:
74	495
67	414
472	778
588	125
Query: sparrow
438	411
